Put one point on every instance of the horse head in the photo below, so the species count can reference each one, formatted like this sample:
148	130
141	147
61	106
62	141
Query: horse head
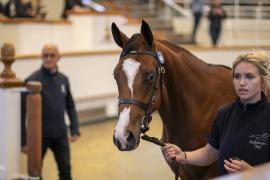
138	77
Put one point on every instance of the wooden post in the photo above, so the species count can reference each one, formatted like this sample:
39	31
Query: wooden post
7	77
33	102
8	80
9	116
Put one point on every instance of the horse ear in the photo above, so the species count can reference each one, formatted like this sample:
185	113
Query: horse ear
119	37
147	33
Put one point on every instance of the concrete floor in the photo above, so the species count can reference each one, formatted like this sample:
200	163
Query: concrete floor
95	157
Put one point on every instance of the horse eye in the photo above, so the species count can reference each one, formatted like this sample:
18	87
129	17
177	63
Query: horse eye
151	77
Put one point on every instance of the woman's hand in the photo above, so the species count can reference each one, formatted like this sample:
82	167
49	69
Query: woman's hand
172	151
233	165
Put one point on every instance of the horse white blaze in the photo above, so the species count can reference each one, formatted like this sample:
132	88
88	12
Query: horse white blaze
121	126
131	68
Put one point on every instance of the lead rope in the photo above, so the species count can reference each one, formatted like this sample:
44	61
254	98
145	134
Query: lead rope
161	143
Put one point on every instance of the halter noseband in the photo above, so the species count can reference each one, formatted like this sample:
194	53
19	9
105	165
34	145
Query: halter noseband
145	106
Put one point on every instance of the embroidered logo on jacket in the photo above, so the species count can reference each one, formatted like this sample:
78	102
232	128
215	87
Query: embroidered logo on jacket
63	89
259	140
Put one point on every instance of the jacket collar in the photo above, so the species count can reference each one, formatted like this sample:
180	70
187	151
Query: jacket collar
251	107
48	72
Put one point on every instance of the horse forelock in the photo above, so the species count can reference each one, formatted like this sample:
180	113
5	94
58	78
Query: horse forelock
136	42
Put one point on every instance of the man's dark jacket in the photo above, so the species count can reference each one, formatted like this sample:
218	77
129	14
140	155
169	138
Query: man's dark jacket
56	99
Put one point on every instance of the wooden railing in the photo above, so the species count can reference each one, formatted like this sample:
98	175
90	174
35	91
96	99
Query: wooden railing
117	52
33	20
90	74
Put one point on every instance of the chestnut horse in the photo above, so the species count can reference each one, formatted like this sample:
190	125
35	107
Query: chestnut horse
185	90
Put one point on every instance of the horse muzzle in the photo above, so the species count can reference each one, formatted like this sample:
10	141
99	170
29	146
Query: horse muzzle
126	143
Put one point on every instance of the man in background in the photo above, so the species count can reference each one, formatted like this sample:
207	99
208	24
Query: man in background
197	11
1	8
2	16
216	15
18	9
56	99
75	6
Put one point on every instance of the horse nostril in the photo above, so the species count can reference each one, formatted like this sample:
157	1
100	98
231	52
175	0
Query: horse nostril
116	141
130	138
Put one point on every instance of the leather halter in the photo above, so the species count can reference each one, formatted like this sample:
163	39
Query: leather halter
145	106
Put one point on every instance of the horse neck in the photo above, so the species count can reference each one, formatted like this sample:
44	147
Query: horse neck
185	74
183	80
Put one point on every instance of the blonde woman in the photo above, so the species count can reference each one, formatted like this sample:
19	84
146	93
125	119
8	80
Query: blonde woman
239	138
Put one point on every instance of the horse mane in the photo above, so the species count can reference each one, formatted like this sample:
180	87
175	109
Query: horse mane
178	49
136	39
220	65
173	47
